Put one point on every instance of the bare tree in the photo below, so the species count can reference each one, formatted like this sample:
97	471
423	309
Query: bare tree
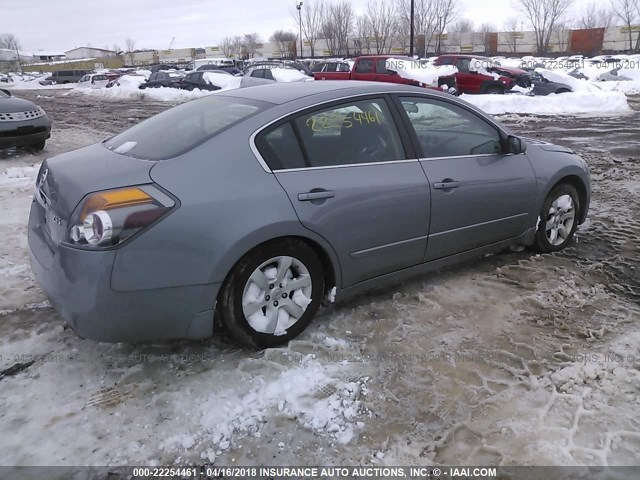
381	17
116	48
362	42
130	46
464	25
544	15
445	14
597	16
236	46
312	16
283	39
560	35
628	11
227	47
10	42
513	33
337	26
251	44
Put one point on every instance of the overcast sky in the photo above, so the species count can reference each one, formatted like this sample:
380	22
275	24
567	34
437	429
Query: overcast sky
60	25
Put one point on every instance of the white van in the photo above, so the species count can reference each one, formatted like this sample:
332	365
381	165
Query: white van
219	62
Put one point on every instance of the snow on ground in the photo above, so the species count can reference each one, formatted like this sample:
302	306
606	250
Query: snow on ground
574	103
129	88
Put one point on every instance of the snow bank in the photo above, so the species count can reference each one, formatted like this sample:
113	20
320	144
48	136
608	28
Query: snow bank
222	80
420	71
30	82
294	395
129	88
633	74
628	87
574	103
576	84
289	75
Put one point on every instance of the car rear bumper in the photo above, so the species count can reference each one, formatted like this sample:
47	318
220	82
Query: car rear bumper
29	132
77	283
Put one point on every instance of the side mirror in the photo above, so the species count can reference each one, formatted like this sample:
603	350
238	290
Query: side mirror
516	145
4	90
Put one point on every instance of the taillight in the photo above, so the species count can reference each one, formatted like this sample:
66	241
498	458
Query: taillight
108	218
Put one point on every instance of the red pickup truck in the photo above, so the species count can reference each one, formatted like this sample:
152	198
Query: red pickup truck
373	68
492	78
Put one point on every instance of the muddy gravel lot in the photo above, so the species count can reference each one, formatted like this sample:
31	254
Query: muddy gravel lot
516	359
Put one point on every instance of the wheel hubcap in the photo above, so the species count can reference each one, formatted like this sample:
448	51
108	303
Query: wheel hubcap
276	295
560	219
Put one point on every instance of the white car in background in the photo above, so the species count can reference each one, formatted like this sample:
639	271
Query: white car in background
266	73
94	80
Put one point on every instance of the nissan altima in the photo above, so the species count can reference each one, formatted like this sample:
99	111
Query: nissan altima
248	209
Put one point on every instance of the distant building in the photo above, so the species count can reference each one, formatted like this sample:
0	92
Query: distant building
89	52
10	60
47	56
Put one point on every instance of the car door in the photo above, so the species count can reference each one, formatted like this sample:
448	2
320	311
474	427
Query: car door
479	195
352	184
467	81
364	69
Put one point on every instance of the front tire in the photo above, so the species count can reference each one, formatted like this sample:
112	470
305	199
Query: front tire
493	90
36	147
558	219
272	294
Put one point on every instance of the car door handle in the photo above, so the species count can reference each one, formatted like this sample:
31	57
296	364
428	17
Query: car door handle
316	195
445	185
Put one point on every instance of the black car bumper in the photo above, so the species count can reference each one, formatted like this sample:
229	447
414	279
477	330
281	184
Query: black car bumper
22	134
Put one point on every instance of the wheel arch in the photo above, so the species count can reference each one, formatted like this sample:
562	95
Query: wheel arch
330	265
487	84
577	183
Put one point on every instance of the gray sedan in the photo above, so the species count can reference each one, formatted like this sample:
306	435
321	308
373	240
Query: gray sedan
250	208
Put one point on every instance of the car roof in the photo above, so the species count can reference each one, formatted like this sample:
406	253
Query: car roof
283	92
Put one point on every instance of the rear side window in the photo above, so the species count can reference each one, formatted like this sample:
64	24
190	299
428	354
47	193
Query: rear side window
258	73
280	149
180	129
364	66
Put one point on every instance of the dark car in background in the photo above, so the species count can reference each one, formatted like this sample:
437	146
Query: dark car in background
197	80
65	76
542	86
22	123
171	79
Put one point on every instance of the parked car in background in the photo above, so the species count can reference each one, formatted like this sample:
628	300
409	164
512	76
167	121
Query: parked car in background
171	79
375	68
5	78
22	123
543	86
319	190
271	72
93	80
478	74
231	70
67	76
160	67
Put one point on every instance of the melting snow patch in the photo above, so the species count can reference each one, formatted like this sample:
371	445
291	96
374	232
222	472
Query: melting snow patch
296	394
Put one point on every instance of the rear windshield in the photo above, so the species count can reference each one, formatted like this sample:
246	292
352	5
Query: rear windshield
178	130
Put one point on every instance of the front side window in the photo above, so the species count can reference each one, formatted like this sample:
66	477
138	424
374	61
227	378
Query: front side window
447	130
381	66
178	130
258	73
356	132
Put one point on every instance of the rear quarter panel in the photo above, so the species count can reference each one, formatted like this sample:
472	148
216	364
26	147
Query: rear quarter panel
228	205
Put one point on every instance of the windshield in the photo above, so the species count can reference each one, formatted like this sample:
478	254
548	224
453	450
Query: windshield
3	95
182	128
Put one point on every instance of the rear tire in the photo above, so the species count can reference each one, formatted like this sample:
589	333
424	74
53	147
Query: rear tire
37	147
493	90
252	305
558	219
